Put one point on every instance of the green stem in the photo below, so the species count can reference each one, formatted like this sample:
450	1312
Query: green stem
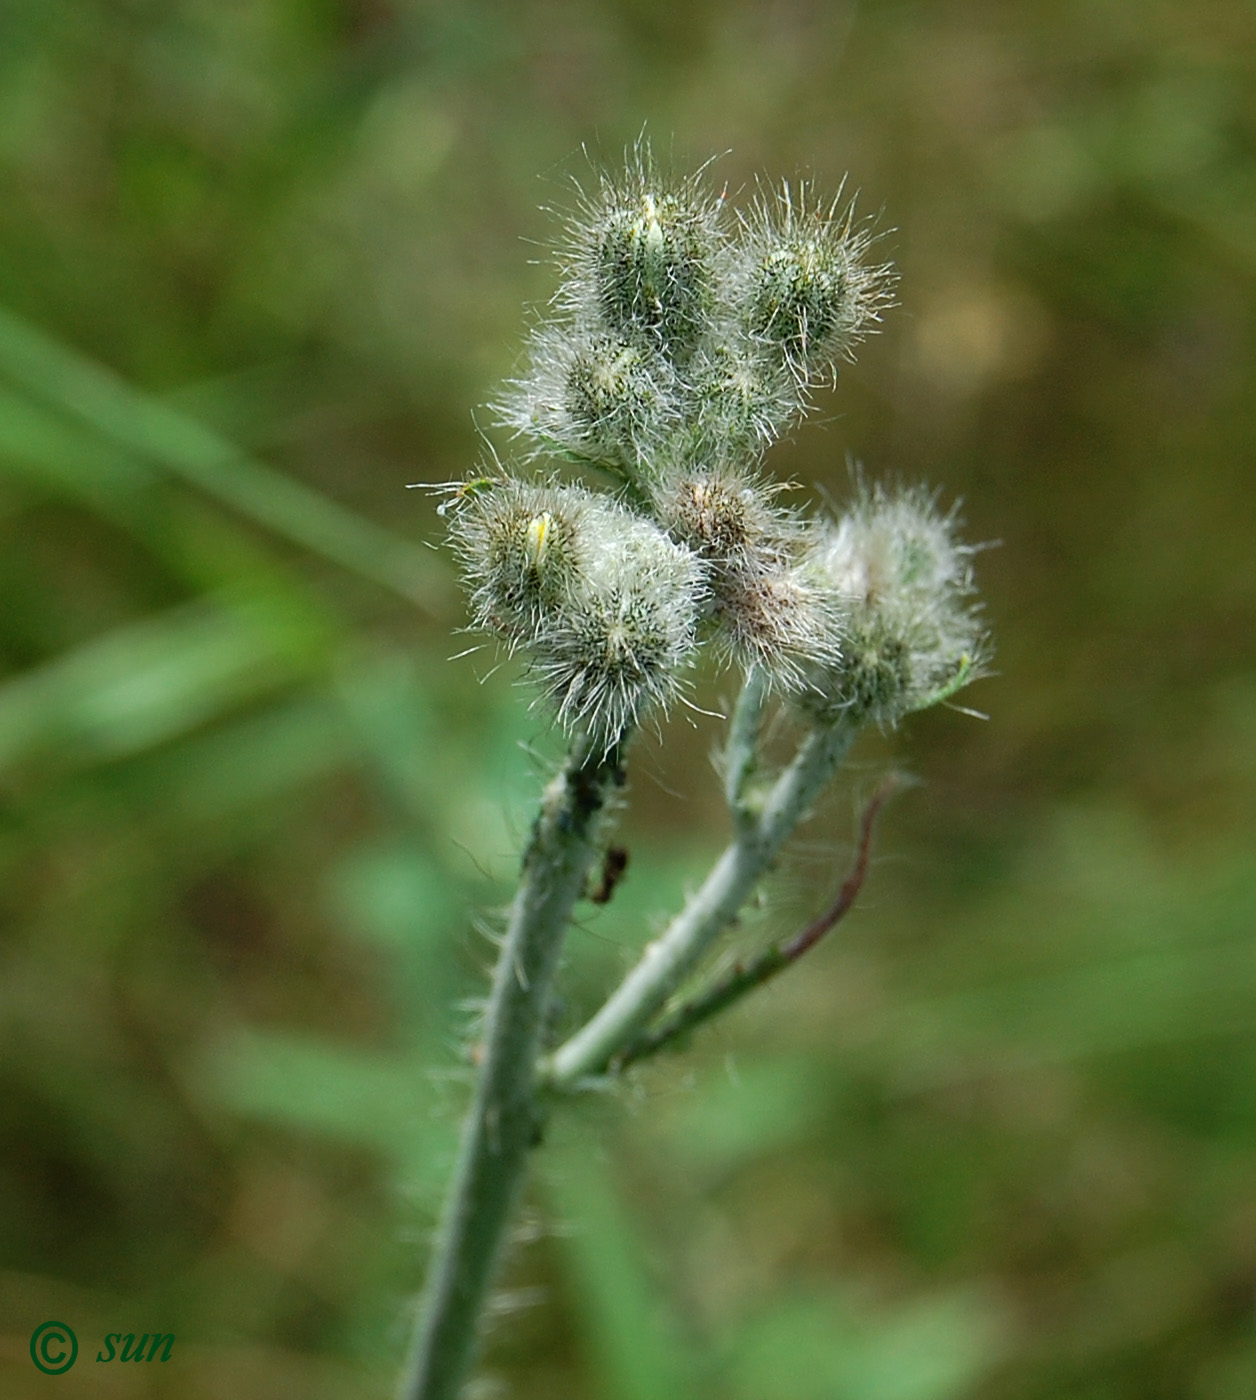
732	879
757	971
505	1119
741	753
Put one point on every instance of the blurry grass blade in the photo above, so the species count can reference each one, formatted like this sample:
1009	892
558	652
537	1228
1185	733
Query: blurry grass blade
1124	952
135	420
150	682
37	446
633	1344
824	1345
217	776
197	542
1104	1007
327	1090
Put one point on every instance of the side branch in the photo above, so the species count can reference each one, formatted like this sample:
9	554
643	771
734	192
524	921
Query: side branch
668	960
505	1120
744	977
741	754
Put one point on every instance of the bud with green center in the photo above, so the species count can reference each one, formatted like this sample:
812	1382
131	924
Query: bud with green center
618	646
646	253
807	287
522	551
595	398
741	398
603	603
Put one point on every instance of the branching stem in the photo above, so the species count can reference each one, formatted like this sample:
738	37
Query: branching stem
732	879
746	976
505	1118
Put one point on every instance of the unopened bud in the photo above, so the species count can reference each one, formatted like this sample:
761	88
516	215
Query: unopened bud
617	647
808	288
648	249
766	611
521	552
602	602
595	398
742	398
913	636
616	398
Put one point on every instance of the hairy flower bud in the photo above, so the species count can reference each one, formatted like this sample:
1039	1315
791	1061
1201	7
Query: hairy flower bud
778	620
740	399
722	511
602	603
767	611
617	647
806	286
912	634
523	549
645	258
594	398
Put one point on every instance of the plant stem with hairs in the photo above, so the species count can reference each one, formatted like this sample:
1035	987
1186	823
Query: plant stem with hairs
745	976
733	878
679	350
506	1114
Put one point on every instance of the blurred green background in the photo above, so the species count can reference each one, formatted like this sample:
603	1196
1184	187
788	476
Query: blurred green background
261	261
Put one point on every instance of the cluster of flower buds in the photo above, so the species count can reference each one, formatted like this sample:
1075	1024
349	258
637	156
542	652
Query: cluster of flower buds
684	341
